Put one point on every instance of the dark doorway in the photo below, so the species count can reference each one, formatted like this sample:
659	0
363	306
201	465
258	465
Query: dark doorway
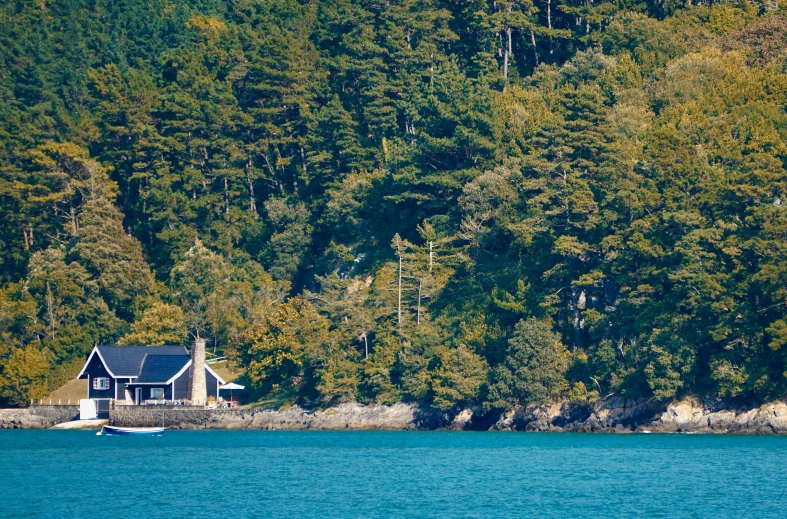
102	409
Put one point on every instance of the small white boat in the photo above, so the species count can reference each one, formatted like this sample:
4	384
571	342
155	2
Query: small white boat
131	431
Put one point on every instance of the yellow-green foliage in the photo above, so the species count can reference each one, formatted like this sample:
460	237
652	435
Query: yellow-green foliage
158	325
383	201
24	376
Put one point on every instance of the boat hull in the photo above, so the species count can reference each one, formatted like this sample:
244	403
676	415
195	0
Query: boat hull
132	431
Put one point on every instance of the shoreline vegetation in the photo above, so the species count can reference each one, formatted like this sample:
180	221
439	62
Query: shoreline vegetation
477	206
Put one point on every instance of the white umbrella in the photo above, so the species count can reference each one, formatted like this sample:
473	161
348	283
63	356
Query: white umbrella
232	386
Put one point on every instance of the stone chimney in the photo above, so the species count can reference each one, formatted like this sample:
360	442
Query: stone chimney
198	393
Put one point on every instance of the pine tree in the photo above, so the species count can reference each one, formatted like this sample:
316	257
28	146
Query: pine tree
111	256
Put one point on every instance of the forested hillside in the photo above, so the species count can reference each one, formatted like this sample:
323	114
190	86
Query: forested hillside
450	203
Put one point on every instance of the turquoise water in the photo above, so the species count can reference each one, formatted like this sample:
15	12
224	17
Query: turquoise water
275	474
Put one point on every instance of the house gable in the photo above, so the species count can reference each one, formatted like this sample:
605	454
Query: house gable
92	359
95	369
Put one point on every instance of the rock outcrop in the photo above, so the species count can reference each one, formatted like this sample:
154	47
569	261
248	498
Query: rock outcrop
690	415
613	415
622	415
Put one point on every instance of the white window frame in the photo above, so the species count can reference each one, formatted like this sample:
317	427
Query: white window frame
157	396
101	383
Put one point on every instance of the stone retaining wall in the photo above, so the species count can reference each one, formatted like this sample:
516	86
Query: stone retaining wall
342	417
56	413
175	417
37	416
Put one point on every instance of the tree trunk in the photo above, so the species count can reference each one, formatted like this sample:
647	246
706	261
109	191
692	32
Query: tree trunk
549	24
50	309
399	309
505	59
577	322
549	14
74	223
535	49
252	200
303	166
418	318
226	196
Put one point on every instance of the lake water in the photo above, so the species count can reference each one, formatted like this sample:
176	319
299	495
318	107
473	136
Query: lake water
272	474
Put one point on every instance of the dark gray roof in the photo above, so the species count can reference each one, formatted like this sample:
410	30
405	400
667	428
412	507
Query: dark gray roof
160	368
126	361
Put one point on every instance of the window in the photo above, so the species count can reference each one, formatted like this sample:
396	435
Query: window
156	392
101	383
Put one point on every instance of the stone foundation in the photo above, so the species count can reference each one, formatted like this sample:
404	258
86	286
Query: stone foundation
173	417
342	417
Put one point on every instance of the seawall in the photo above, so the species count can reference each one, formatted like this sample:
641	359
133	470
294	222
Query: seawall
37	416
342	417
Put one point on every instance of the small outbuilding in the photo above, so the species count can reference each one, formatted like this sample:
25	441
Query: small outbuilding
142	375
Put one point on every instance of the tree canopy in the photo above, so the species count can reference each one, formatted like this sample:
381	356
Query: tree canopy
450	203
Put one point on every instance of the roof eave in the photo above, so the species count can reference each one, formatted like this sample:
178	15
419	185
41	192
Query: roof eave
103	362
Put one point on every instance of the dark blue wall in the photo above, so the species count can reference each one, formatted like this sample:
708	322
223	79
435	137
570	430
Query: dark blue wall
210	382
96	369
182	386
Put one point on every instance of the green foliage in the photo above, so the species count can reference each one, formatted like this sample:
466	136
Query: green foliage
605	176
288	245
579	394
199	283
159	325
534	369
459	377
24	376
669	364
72	312
277	346
114	258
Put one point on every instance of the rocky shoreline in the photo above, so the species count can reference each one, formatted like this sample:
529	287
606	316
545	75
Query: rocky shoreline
614	415
622	416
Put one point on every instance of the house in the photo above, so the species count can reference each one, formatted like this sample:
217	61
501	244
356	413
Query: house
140	374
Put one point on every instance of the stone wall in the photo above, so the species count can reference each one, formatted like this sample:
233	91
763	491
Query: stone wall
56	413
174	417
342	417
37	416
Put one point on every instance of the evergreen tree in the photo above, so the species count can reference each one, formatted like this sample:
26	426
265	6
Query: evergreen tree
111	256
534	369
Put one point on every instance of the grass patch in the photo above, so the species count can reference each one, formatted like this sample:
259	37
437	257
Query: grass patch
72	390
279	399
227	370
